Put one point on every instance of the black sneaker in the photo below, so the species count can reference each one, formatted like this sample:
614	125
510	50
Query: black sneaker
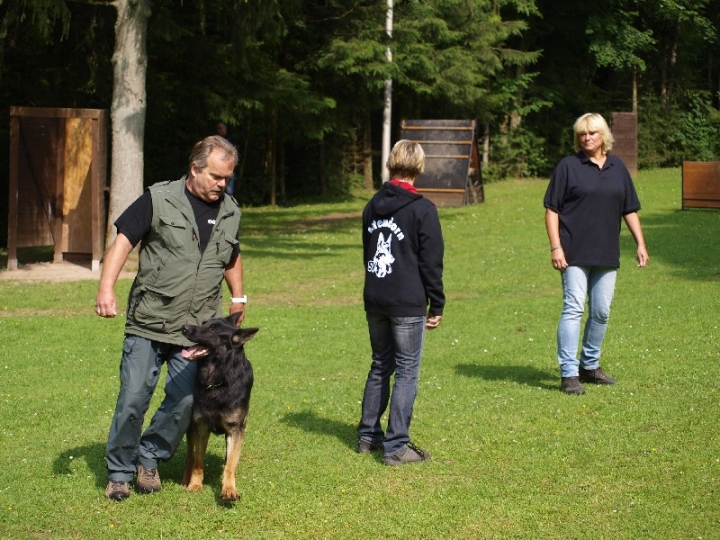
571	385
365	447
117	490
597	376
148	480
409	454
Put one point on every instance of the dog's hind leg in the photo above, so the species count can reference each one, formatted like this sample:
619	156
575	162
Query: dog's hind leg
197	440
233	447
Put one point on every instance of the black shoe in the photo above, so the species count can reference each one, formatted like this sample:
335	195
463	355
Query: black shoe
409	454
365	447
571	385
597	376
117	490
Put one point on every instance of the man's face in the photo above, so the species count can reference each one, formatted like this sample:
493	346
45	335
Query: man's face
209	184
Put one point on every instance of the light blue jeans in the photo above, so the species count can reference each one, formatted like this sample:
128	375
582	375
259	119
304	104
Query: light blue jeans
397	344
140	368
597	284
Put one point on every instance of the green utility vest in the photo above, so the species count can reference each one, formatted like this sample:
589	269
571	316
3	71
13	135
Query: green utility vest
175	283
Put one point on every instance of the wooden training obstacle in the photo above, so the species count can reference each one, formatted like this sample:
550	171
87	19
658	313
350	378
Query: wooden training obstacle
452	174
624	129
57	182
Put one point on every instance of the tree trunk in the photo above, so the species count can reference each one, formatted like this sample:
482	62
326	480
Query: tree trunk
674	56
280	167
668	63
634	90
367	153
243	158
127	111
515	118
486	145
270	170
321	167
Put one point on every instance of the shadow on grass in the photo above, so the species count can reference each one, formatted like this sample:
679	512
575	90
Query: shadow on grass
260	248
94	457
212	478
92	454
527	375
684	239
312	423
269	234
301	220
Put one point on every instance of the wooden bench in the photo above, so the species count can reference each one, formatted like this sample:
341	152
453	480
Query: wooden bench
700	184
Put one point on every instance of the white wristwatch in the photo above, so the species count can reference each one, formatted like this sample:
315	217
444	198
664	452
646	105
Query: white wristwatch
239	300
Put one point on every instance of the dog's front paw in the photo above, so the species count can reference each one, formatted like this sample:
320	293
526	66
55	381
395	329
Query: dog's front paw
230	494
194	486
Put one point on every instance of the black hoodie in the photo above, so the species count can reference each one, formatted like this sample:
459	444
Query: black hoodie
403	254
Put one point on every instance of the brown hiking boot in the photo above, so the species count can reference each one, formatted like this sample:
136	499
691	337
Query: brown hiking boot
571	385
148	480
117	490
597	376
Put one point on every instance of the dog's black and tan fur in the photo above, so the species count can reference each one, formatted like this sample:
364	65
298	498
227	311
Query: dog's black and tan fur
222	397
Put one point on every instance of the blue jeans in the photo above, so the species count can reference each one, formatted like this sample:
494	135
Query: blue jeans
597	284
140	367
397	344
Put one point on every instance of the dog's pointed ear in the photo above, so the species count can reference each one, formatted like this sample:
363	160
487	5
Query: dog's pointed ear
243	335
233	319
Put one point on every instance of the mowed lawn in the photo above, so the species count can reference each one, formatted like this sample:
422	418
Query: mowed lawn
512	457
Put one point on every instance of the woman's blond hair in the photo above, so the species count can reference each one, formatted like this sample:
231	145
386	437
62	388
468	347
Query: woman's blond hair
589	122
407	160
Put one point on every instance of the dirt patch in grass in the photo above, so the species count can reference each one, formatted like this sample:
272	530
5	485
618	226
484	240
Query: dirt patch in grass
60	271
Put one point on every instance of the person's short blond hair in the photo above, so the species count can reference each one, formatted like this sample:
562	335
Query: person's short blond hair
407	160
590	122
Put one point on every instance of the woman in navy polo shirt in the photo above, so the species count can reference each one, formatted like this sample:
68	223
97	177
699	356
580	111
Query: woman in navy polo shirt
588	194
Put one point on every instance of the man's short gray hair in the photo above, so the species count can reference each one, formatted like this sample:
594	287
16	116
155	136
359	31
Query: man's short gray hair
202	150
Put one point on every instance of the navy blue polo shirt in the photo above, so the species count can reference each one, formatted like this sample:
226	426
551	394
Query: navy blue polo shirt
591	202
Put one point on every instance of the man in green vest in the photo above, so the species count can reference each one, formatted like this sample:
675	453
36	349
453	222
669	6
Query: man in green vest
188	235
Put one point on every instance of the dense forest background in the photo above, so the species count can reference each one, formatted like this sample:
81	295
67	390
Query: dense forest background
301	83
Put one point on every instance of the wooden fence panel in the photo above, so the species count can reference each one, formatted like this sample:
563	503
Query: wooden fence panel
700	184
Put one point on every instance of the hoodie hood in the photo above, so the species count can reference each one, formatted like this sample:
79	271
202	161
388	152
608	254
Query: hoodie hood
391	198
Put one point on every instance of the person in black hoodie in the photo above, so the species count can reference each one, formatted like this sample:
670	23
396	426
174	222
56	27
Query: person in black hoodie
403	256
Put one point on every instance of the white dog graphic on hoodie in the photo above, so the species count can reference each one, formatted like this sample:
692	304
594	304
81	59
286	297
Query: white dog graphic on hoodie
381	265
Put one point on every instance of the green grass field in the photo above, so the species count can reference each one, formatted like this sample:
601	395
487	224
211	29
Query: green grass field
512	457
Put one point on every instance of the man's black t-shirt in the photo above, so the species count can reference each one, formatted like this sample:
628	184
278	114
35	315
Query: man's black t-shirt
136	220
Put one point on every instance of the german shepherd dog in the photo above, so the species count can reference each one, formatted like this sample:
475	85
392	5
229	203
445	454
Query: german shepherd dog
221	397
